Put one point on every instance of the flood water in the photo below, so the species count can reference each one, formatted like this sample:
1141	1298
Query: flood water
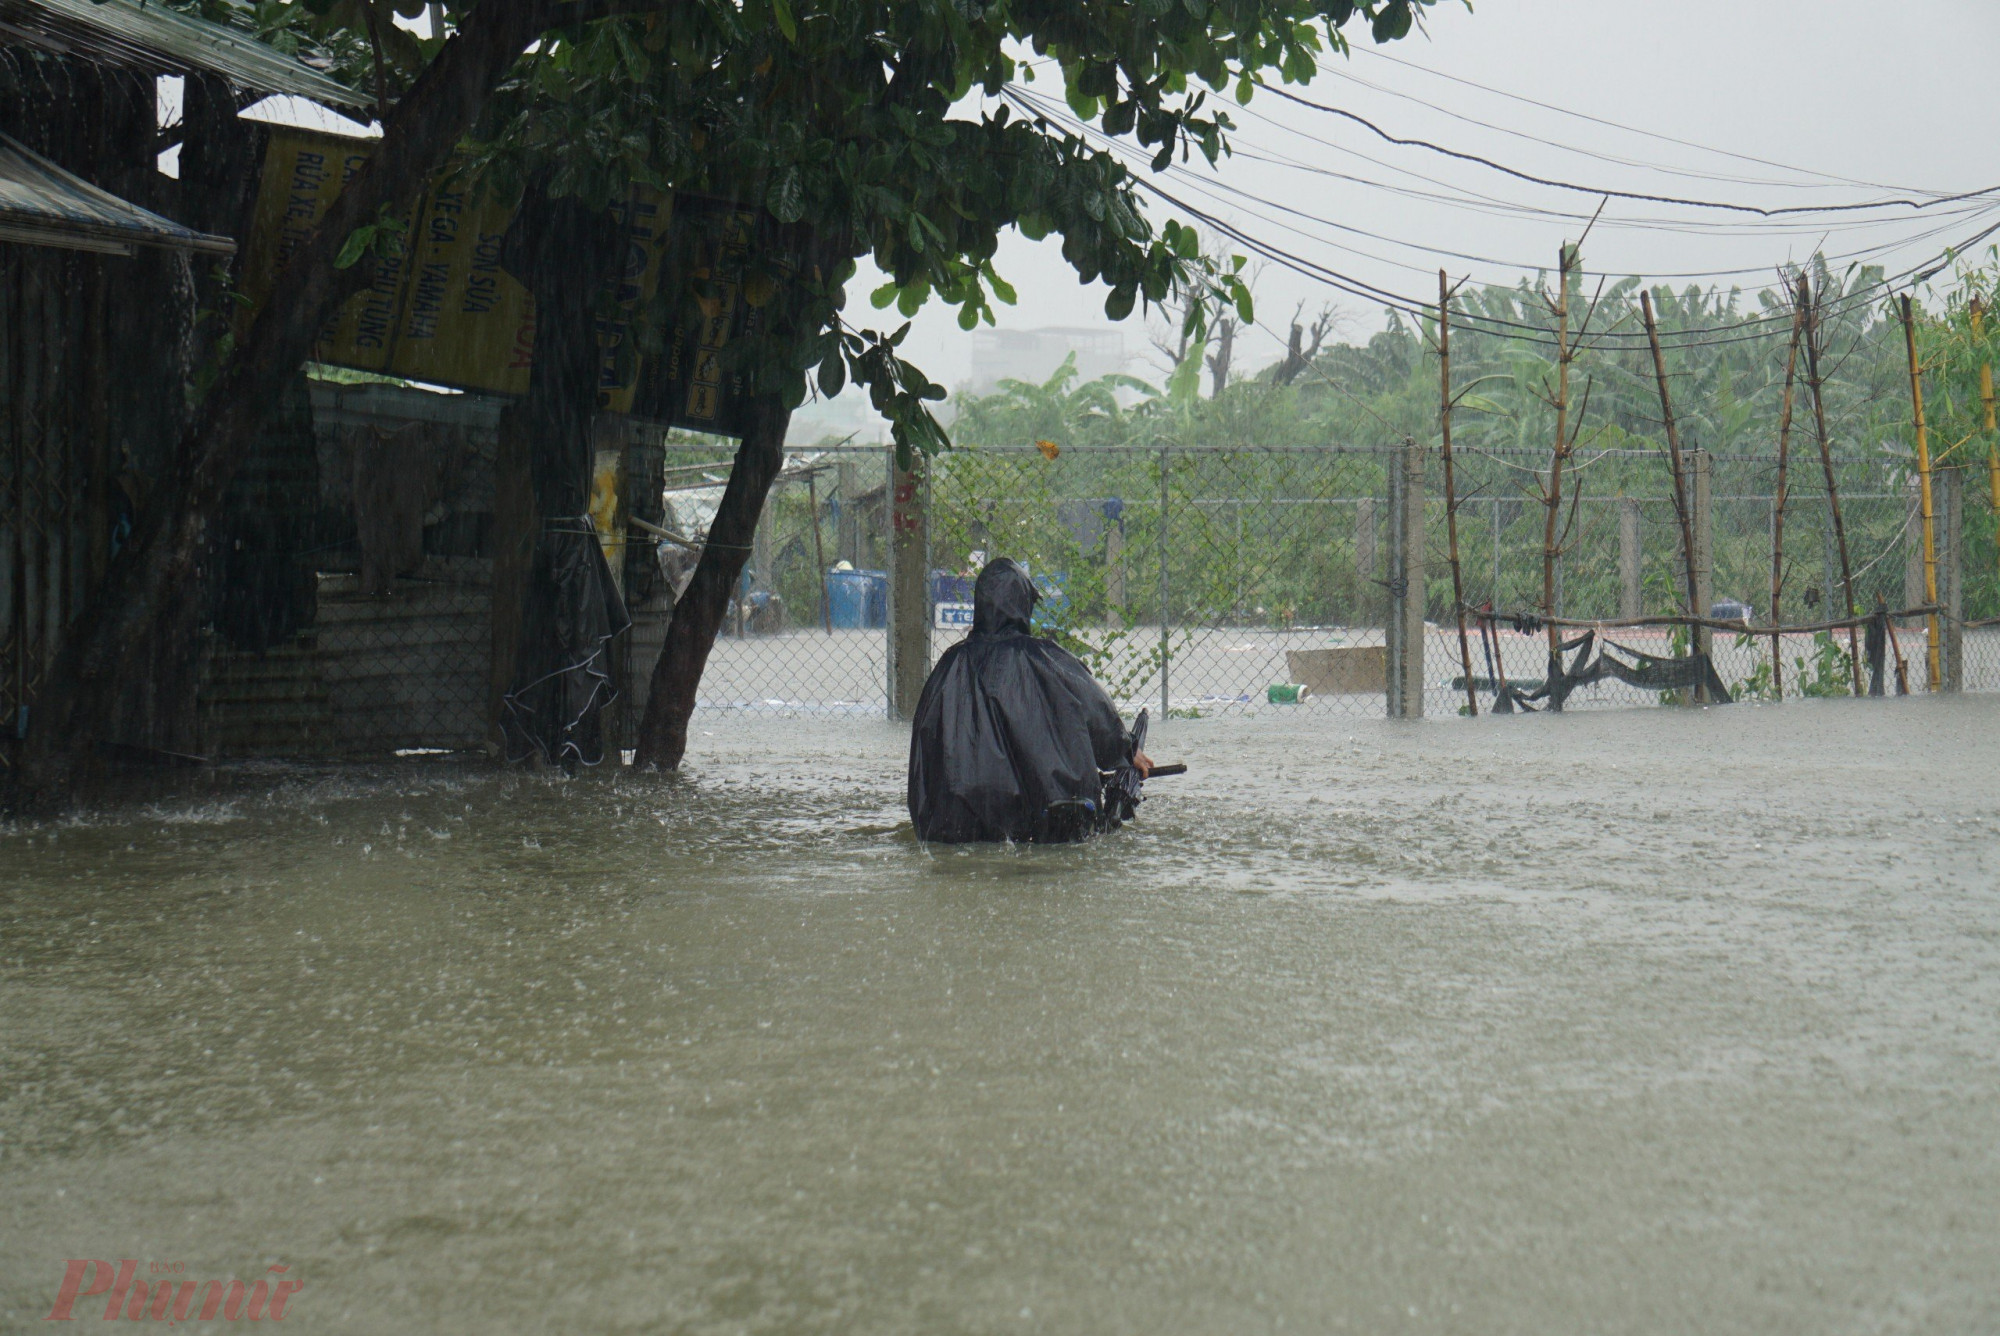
1648	1021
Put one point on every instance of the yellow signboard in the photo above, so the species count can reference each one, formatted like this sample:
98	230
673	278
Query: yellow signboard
690	384
440	308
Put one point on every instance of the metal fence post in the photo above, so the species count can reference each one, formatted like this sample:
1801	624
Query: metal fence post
1166	614
1951	574
1631	556
1701	520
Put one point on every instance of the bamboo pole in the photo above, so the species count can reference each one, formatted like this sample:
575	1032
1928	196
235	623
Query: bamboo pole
1992	428
1778	505
1450	493
1932	637
1673	458
1817	386
1552	497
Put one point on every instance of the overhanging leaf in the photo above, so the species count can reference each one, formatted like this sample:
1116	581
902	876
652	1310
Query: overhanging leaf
786	197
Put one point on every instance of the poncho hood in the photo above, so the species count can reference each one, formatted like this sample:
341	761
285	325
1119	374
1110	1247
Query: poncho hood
1003	599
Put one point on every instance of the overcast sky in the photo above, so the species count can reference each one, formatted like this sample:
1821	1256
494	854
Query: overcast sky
1900	97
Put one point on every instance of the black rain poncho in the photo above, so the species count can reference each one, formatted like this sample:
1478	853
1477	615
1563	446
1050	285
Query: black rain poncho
1011	731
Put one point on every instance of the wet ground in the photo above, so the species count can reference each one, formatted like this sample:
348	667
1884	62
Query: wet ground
1648	1021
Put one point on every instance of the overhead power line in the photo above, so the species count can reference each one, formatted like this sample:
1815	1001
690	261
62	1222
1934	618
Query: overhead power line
1210	186
1465	197
1601	191
1740	331
1743	331
1613	158
1618	125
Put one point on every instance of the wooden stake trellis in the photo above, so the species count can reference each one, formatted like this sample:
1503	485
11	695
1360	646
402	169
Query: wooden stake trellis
1817	386
1674	460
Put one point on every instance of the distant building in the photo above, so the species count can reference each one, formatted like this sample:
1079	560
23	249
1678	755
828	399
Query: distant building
1034	354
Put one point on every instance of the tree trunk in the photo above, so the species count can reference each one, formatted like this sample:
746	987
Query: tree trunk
1218	363
563	252
699	613
154	578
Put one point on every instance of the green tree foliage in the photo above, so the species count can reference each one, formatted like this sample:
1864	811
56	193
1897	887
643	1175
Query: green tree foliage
853	123
1058	409
1727	382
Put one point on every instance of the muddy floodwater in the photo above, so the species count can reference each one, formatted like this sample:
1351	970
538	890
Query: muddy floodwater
1647	1021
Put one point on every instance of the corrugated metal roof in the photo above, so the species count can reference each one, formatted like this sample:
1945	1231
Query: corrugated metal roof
151	36
43	205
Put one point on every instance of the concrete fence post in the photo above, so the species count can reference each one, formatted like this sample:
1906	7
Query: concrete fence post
1701	521
1405	622
1392	631
1630	560
909	593
1951	574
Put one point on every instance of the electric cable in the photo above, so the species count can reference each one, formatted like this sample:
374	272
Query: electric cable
1591	153
1415	307
1615	125
1557	184
1639	163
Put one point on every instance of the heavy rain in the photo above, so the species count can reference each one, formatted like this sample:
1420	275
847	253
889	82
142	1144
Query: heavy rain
792	666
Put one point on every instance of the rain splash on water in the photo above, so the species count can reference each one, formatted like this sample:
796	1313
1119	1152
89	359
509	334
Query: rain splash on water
1621	1021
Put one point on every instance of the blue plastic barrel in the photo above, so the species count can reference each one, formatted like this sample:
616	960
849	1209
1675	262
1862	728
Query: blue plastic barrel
858	600
949	588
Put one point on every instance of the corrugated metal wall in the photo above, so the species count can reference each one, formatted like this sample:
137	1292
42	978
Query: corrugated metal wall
51	462
94	358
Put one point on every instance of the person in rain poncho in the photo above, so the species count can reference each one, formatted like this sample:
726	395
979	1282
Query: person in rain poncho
1012	732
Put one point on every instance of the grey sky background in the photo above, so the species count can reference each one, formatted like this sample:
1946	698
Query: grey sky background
1898	96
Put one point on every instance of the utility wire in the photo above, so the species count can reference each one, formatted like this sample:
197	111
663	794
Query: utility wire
1210	185
1617	125
1724	205
1475	202
1740	332
1735	333
1463	196
1613	158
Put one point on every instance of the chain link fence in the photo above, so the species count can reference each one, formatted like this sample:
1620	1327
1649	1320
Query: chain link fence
1197	580
1192	580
